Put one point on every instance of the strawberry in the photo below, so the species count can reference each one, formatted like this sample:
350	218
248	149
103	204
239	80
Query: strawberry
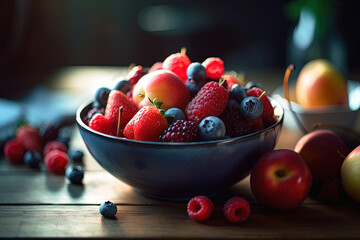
115	101
101	124
29	138
147	124
268	110
209	101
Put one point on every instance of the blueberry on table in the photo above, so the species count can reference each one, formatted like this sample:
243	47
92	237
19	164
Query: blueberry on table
212	128
174	114
196	72
108	209
251	108
123	86
76	155
101	95
33	159
75	174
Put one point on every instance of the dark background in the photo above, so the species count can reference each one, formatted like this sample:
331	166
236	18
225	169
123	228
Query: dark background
37	37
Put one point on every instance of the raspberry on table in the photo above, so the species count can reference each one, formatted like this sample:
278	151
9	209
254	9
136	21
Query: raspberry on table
181	131
200	208
56	161
236	209
52	145
29	138
14	151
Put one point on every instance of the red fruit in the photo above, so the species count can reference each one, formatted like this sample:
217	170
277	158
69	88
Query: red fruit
135	74
101	124
56	161
178	64
256	124
29	138
235	124
268	110
156	66
181	131
214	67
236	209
232	80
147	125
209	101
200	208
115	101
52	145
14	151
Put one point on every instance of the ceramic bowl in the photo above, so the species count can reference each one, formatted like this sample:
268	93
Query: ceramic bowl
179	171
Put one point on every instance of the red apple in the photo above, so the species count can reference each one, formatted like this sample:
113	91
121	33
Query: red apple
324	152
350	174
281	179
163	85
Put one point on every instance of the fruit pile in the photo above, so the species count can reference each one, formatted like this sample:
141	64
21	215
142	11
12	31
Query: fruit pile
48	145
180	101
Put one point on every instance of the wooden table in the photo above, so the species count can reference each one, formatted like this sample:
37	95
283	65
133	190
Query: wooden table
38	204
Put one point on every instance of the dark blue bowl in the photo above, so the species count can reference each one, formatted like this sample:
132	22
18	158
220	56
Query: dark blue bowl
179	170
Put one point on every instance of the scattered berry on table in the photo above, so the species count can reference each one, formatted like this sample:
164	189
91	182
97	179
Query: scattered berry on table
238	93
29	138
33	159
101	96
14	151
122	86
236	210
251	108
52	145
56	161
135	74
65	134
200	208
214	67
211	128
181	131
108	209
174	114
116	100
48	131
76	155
178	64
102	124
196	72
234	122
268	110
210	101
75	174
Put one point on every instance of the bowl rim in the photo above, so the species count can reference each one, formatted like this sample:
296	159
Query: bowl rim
87	103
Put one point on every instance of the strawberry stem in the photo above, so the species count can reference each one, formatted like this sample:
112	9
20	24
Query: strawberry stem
263	93
222	81
119	120
183	51
341	155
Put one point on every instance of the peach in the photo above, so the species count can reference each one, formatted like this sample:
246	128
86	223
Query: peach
321	84
163	85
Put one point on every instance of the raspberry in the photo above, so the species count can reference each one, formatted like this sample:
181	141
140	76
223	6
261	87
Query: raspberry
209	101
214	67
236	209
256	124
14	151
268	110
52	145
181	131
101	124
56	161
29	138
235	124
200	208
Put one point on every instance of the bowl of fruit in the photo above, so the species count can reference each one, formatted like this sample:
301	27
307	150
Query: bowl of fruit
176	132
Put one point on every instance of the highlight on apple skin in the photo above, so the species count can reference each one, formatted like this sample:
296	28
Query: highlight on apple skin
281	179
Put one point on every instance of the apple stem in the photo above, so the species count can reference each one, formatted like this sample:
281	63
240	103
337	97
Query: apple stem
119	120
341	155
263	93
183	51
288	71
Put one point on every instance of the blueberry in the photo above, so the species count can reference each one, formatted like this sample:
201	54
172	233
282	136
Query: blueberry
76	155
48	131
101	96
196	72
238	93
123	86
194	87
96	105
212	128
251	108
252	84
64	135
75	174
108	209
33	159
174	114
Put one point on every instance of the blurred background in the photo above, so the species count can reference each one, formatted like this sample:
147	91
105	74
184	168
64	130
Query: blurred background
38	37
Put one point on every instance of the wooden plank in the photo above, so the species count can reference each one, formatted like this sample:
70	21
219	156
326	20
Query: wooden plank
169	222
